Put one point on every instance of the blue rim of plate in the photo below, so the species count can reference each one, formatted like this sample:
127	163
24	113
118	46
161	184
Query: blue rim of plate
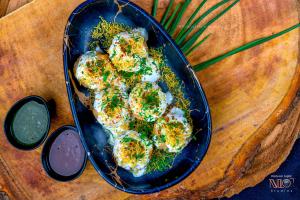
70	96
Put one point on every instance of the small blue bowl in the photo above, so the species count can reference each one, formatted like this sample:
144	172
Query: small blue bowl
78	30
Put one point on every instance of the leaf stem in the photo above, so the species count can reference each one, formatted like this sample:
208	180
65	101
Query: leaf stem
181	39
191	50
179	16
172	16
166	14
190	20
195	37
154	9
249	45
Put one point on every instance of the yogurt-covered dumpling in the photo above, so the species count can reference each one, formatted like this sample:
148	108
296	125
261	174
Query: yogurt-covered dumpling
150	72
132	152
94	71
172	132
112	110
147	101
128	51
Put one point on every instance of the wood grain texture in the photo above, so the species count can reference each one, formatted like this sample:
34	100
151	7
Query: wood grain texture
3	7
252	95
12	5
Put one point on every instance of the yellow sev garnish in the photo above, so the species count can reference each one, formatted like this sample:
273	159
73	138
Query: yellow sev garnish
132	151
105	31
174	134
127	51
114	104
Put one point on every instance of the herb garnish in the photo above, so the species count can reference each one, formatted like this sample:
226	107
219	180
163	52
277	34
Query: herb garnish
160	161
116	102
105	75
150	100
127	139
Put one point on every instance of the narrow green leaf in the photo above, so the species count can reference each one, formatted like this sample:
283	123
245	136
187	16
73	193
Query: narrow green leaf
188	23
195	37
249	45
154	9
172	16
191	50
166	14
179	16
180	40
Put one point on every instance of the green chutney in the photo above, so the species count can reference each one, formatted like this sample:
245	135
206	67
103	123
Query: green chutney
30	123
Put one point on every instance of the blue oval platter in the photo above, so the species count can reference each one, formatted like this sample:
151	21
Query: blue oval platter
76	42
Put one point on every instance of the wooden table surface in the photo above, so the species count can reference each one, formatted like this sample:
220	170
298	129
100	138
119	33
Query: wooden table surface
7	6
259	130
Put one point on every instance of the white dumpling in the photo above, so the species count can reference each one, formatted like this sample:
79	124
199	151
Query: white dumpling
111	109
128	51
132	152
151	72
94	71
172	132
147	101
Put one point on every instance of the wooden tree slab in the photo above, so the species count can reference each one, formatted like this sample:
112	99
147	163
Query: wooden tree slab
8	6
252	95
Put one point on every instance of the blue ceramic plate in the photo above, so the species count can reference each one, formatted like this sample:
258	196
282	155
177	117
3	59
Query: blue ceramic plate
95	141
